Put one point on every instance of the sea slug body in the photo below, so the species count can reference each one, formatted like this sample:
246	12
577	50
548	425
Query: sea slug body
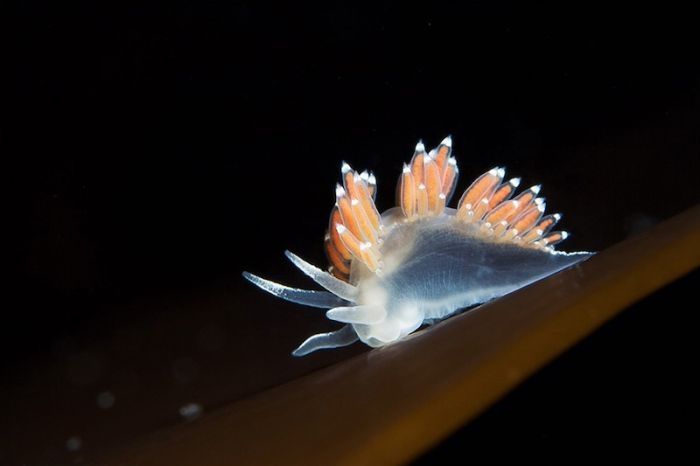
422	261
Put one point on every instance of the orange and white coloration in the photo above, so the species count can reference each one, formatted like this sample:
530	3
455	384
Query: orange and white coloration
421	262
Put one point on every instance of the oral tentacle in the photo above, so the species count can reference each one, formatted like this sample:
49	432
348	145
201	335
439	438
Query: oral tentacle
336	286
366	314
343	337
313	298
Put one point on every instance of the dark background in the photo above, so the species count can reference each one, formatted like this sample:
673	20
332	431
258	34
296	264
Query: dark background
154	151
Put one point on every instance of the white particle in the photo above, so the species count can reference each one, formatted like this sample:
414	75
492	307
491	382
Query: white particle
190	411
105	400
74	443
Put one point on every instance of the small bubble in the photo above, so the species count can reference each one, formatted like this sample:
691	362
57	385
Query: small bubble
74	443
105	400
191	411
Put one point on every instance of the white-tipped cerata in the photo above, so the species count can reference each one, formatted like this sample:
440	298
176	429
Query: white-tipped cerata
423	261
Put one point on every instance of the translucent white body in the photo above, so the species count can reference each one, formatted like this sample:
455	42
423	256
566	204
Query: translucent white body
433	267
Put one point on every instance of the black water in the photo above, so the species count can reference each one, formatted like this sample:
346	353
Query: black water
154	151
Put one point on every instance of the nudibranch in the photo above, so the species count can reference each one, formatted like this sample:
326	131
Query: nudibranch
422	261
